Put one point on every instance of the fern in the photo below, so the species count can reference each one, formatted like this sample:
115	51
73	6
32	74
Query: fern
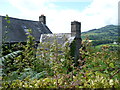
10	56
6	58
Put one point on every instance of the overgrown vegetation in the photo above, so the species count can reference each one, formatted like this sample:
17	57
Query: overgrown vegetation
51	66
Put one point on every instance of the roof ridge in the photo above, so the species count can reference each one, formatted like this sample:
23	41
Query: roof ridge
19	19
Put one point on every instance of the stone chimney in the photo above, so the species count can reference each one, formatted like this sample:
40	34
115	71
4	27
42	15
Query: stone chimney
76	44
76	29
42	19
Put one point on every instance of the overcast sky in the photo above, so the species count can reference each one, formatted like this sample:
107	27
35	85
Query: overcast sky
59	13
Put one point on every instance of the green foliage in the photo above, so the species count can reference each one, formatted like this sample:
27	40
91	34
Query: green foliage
11	55
51	69
112	47
53	58
51	66
99	42
27	72
104	35
64	81
6	61
109	31
17	61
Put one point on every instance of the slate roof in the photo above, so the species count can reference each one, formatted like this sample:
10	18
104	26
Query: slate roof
61	38
18	28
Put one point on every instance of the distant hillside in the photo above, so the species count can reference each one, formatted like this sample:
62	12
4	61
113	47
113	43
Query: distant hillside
105	34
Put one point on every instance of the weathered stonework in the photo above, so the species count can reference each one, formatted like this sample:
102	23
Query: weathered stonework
73	38
76	29
76	44
42	19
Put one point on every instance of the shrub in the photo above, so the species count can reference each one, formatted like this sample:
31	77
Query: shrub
51	66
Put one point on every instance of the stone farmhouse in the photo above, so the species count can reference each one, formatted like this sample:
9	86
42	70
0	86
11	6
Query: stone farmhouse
18	28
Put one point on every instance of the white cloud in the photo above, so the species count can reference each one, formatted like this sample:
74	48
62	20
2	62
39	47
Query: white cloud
69	0
99	13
